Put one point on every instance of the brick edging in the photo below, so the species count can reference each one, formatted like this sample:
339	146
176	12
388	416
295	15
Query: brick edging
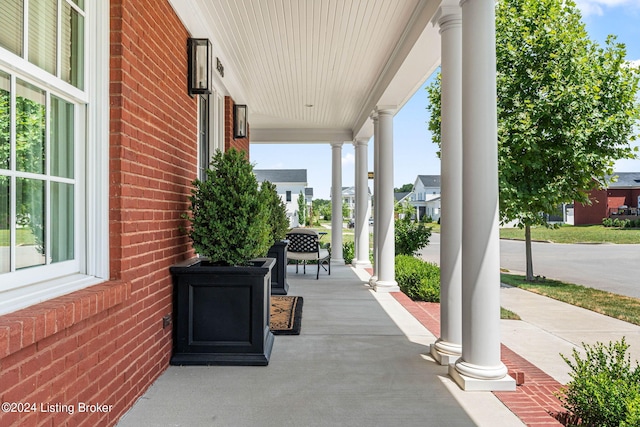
533	401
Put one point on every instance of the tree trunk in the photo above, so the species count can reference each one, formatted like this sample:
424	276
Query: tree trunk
529	258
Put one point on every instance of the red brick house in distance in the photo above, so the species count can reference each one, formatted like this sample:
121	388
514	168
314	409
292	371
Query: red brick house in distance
620	199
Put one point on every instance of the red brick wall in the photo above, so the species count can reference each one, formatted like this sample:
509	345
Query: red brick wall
593	214
241	144
106	344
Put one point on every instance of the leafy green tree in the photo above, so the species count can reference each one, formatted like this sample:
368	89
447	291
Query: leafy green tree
410	236
345	211
404	189
322	207
566	110
302	209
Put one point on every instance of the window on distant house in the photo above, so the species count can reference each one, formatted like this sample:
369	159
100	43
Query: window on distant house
288	196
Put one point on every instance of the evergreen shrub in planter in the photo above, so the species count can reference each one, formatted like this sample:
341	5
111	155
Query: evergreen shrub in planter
222	299
279	225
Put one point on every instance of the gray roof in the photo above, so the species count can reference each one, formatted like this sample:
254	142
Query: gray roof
430	180
626	180
400	196
281	175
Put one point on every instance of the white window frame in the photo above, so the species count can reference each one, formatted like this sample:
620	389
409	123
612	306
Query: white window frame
30	286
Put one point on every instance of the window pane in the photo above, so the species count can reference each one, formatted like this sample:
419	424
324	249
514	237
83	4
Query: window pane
62	225
5	225
30	128
30	222
43	29
5	120
12	12
62	161
72	47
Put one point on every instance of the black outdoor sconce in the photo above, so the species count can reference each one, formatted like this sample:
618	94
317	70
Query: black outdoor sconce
199	52
240	121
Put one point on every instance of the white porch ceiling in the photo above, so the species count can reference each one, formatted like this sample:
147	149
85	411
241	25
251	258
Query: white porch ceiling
313	70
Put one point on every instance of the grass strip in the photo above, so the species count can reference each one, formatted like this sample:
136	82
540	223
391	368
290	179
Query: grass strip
508	314
576	234
612	305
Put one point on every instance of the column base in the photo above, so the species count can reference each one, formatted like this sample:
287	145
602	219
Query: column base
445	353
468	383
362	264
386	286
373	280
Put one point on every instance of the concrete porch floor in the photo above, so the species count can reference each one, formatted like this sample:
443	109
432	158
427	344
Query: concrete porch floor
361	360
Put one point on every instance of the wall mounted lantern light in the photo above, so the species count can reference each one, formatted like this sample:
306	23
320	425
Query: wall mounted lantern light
199	53
240	121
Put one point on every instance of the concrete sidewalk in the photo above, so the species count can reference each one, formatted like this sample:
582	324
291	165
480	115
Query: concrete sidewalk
360	360
549	327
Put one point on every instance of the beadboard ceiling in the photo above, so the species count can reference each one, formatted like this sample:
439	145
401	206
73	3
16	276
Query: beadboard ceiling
314	69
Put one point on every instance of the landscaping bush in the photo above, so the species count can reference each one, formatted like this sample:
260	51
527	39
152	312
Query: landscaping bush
621	223
348	252
410	236
419	280
633	413
604	389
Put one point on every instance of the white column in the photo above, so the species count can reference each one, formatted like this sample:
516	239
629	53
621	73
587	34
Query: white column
480	367
336	203
361	236
376	204
386	244
448	348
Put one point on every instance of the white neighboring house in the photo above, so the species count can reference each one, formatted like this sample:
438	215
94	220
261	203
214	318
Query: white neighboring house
289	183
425	197
349	200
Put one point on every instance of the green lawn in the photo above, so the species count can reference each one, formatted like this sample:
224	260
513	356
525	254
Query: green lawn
576	234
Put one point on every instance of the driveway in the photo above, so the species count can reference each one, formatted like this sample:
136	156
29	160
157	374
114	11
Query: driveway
609	267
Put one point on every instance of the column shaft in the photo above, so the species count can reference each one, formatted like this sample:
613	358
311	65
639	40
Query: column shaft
448	348
336	203
480	240
386	243
376	202
362	205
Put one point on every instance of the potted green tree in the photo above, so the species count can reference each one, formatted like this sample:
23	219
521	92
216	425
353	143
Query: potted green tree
222	297
279	225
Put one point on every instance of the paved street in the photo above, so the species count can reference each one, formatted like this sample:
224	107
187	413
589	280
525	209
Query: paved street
612	268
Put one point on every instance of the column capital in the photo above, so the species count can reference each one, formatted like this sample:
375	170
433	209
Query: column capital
374	116
337	144
448	15
361	142
386	109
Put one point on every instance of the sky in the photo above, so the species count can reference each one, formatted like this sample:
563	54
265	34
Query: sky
414	153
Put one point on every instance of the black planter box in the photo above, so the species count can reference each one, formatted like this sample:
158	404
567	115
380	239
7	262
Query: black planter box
279	285
221	314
